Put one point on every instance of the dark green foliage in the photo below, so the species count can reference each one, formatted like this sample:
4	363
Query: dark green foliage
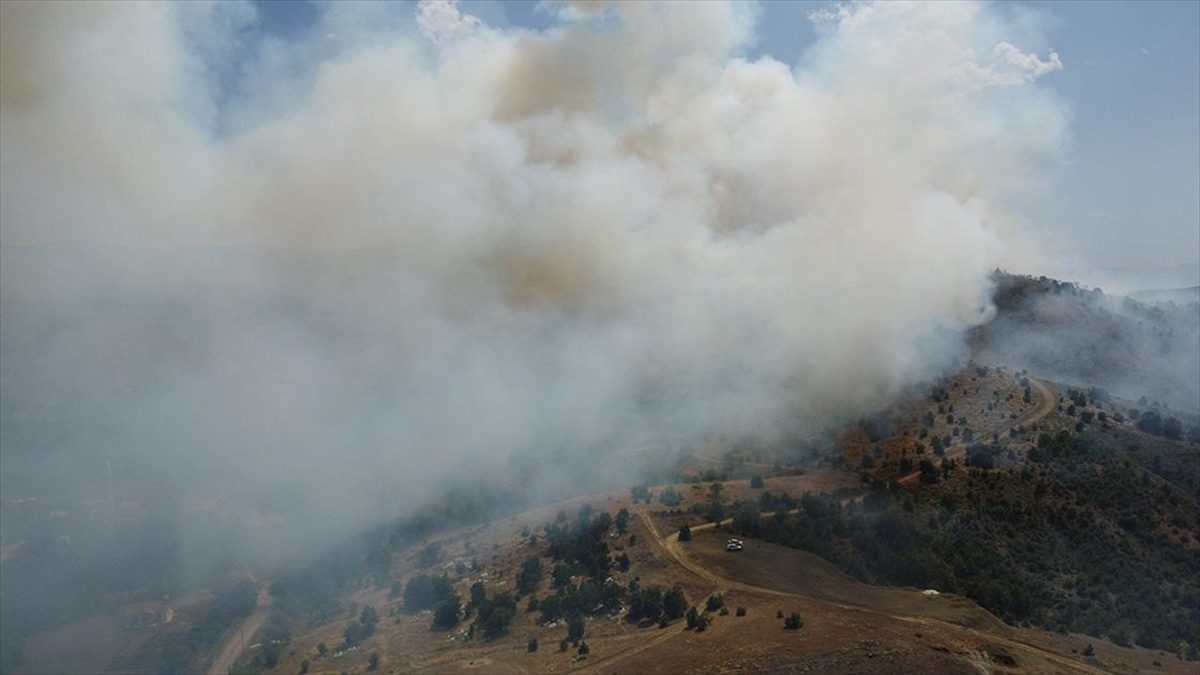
640	493
530	575
580	545
693	616
756	482
532	645
583	649
373	661
1081	527
793	621
426	592
575	627
623	562
581	599
362	629
685	533
446	615
622	521
478	594
741	611
670	497
714	602
496	614
645	603
674	602
560	576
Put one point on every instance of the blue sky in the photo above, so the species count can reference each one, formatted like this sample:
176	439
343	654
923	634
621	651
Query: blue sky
1129	192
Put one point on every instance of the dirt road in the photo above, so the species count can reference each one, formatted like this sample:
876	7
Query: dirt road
240	639
671	545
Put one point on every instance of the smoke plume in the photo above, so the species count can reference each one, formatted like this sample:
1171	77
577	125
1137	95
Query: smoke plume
304	281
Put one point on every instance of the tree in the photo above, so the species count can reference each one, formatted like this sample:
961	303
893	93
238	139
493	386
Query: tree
623	562
674	602
575	627
532	645
1089	650
478	594
530	575
756	482
561	576
693	616
1172	429
373	662
303	666
622	521
670	497
685	533
741	611
322	649
793	621
445	616
715	602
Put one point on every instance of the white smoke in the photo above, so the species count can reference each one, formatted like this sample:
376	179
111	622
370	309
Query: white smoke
619	231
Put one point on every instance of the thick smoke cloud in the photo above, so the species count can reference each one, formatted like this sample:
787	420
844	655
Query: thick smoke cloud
395	251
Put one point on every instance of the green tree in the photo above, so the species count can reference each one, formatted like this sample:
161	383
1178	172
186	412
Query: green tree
622	521
575	627
674	602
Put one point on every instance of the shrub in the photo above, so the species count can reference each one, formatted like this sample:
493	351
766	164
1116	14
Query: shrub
532	645
793	621
685	533
575	628
741	611
714	602
756	482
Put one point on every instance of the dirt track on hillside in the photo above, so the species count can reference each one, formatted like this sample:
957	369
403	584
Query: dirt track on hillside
240	639
672	546
1048	401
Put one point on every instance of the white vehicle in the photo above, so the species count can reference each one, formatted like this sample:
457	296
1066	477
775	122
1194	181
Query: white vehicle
734	545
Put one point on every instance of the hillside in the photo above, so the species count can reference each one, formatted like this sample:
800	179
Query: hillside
1085	338
1013	516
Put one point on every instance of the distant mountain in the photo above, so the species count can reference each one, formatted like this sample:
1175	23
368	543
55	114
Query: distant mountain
1179	296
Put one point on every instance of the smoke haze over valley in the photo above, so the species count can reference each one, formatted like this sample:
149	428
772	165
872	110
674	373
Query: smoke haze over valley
275	293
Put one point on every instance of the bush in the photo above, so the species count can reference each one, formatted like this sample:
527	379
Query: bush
756	482
530	575
575	628
741	611
373	662
532	645
670	497
674	602
793	621
714	602
685	533
445	616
